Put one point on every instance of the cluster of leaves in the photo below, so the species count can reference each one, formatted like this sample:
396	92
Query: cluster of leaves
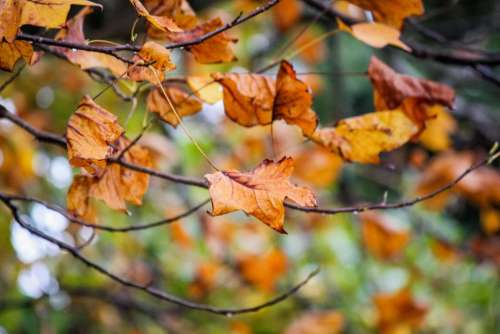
277	136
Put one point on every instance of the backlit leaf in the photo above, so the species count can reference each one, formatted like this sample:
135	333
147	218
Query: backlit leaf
391	12
376	35
259	193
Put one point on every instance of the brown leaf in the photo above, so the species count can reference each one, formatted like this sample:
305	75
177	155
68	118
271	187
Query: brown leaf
415	96
363	138
184	104
156	54
10	53
382	239
391	12
259	193
317	322
90	133
253	99
162	23
248	98
73	32
78	198
216	49
10	19
398	312
116	185
293	100
178	10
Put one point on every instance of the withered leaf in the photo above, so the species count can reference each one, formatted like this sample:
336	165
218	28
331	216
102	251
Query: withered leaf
151	52
90	133
78	198
376	35
216	49
10	19
259	193
10	53
73	32
391	12
253	99
205	88
162	23
415	96
363	138
178	10
184	104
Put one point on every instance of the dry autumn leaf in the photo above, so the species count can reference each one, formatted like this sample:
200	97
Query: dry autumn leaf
363	138
391	12
162	23
436	136
78	198
216	49
10	53
375	34
398	312
184	104
415	96
205	88
253	99
73	32
318	322
90	133
115	185
156	55
259	193
382	239
178	10
263	270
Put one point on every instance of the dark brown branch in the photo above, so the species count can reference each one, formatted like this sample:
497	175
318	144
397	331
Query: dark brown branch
12	78
157	293
107	228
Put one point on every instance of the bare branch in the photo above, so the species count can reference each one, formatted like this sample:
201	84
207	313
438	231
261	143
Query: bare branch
12	78
157	293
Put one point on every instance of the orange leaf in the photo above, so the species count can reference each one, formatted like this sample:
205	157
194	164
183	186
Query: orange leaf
259	193
391	12
10	19
78	198
90	133
156	54
216	49
317	166
184	104
293	100
382	239
436	136
264	270
317	322
252	99
10	53
363	138
375	34
398	312
178	10
286	13
162	23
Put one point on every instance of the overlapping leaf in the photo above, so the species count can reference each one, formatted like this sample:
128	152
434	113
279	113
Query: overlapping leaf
375	34
259	193
151	63
163	23
184	104
10	53
90	134
391	12
363	138
253	99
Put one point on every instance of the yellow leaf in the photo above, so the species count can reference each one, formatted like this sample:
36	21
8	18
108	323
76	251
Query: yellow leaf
259	193
436	135
205	88
91	131
10	53
391	12
376	35
184	104
363	138
10	19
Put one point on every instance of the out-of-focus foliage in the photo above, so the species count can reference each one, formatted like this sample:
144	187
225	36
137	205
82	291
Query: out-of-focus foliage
432	267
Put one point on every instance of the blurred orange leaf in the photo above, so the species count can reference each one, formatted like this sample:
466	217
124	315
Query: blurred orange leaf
436	135
287	13
317	322
264	270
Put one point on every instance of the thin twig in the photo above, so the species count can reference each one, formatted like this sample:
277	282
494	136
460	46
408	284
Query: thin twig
12	77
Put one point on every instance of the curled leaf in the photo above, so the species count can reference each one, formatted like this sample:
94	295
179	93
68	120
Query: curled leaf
216	49
259	193
154	55
363	138
162	23
90	133
183	103
178	10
